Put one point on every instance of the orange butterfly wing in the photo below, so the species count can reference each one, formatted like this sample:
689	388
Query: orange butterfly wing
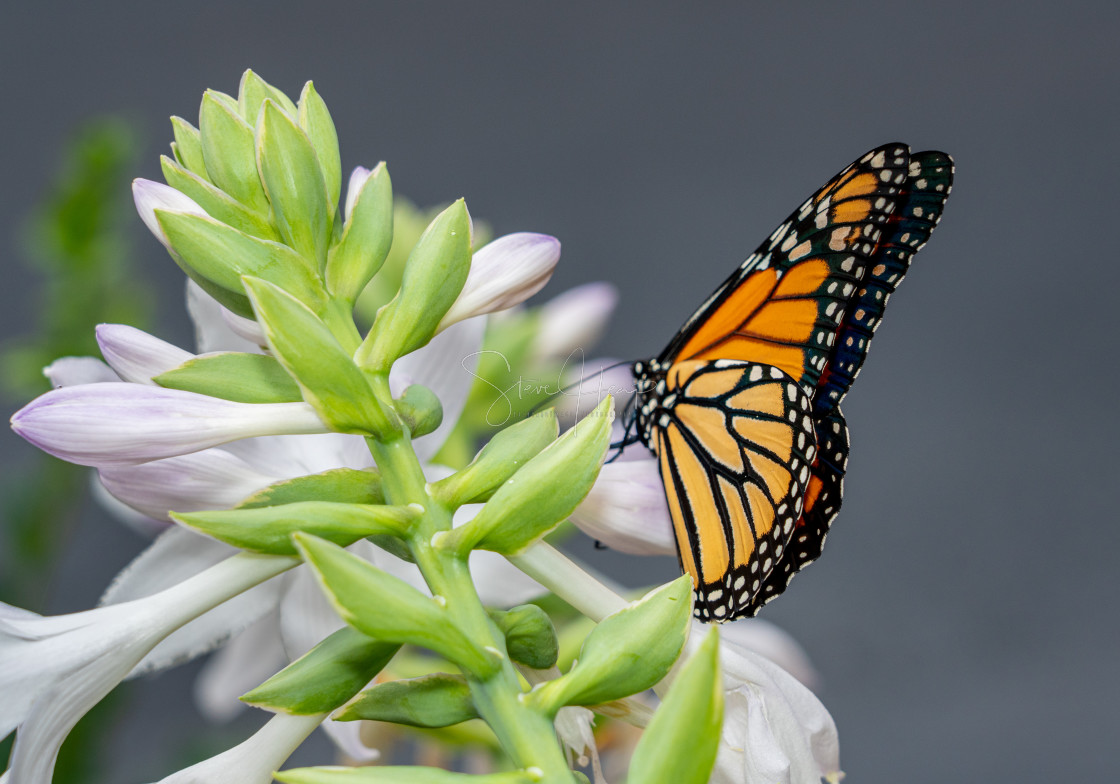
735	442
782	308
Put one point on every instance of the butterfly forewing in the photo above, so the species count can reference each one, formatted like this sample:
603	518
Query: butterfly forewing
735	444
785	303
929	180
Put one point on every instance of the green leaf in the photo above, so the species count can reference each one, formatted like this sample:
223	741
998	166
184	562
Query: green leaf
433	277
530	636
307	349
343	485
294	183
420	409
217	203
230	151
690	717
188	147
230	375
326	676
269	529
499	460
386	607
366	238
254	91
542	494
398	774
215	256
437	700
316	122
627	653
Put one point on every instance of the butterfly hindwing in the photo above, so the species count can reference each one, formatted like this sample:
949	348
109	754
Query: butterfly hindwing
822	503
735	443
784	305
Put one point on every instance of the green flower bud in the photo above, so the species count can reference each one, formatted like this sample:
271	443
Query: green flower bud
503	456
437	700
326	676
366	238
269	529
341	485
245	378
187	148
254	91
399	774
215	256
433	277
530	636
627	653
328	378
217	203
316	122
229	151
386	607
541	495
420	409
690	717
293	181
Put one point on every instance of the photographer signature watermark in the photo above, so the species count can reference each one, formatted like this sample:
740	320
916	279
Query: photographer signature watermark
509	399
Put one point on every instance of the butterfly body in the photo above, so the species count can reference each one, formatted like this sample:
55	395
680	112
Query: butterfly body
742	407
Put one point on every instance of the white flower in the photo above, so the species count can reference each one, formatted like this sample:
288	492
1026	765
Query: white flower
774	728
626	509
504	273
283	619
573	320
54	669
150	196
254	760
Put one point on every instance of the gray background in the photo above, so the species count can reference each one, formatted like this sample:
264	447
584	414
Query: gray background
964	615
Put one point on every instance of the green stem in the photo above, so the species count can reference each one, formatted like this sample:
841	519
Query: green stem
527	736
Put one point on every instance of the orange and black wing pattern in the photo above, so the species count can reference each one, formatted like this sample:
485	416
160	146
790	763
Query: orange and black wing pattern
735	442
800	311
785	303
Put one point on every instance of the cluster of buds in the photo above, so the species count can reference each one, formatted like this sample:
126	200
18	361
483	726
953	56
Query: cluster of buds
308	444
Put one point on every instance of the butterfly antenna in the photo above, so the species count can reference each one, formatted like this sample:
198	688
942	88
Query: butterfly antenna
574	384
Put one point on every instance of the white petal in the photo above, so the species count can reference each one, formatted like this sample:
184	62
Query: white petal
71	371
574	320
57	711
347	735
446	366
254	760
173	558
306	617
135	355
145	525
774	729
121	424
217	329
211	479
248	660
150	196
500	583
626	509
767	639
358	179
505	273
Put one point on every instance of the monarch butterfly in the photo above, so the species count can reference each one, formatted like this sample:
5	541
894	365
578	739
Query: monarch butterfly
741	409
